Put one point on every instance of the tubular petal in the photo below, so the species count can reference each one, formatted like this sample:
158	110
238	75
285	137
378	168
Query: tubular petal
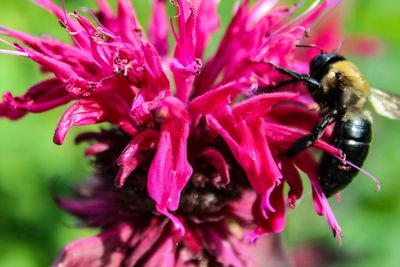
105	249
170	171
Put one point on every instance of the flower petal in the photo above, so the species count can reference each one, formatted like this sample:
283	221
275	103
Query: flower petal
130	159
207	22
258	106
225	124
309	166
127	22
326	6
284	136
217	238
84	112
293	178
159	27
216	159
72	26
10	112
105	249
215	98
96	149
255	156
41	97
145	241
166	259
170	170
276	219
184	64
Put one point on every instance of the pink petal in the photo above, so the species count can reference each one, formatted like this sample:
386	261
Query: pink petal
72	26
10	112
242	209
243	44
249	145
105	9
170	170
98	50
44	45
276	219
78	60
328	35
293	178
62	70
41	97
227	48
159	27
326	6
304	119
130	159
255	156
259	105
105	249
164	255
206	24
215	98
96	149
156	80
98	210
177	222
219	244
259	12
216	159
145	241
184	64
127	22
285	136
225	124
84	112
309	166
193	242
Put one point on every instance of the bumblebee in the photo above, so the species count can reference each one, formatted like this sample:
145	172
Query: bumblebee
341	91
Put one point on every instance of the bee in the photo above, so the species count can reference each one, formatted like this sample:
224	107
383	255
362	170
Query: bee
341	91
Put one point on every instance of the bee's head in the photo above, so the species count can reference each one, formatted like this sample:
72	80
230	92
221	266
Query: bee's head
319	65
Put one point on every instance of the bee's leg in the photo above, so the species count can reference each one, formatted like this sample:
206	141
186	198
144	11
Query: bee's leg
299	77
316	133
285	82
276	87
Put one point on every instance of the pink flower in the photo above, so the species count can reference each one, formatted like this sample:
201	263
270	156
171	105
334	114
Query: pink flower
194	140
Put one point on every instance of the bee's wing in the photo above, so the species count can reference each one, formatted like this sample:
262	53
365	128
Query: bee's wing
385	104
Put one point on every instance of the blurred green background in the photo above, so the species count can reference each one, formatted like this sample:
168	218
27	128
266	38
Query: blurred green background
33	229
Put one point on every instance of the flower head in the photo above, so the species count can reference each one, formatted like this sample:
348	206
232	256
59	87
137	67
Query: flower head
194	153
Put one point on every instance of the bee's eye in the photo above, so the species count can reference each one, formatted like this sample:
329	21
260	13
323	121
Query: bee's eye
339	75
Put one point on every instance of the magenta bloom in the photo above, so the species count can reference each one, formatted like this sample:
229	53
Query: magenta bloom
190	171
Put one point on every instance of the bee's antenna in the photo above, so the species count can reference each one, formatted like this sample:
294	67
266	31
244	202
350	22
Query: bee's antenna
311	46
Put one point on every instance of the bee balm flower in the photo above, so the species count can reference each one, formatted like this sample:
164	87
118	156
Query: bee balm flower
191	169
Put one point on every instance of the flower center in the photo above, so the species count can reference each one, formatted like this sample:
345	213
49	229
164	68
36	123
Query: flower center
203	198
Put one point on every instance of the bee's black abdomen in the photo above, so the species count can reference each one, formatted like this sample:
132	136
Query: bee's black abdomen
353	137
